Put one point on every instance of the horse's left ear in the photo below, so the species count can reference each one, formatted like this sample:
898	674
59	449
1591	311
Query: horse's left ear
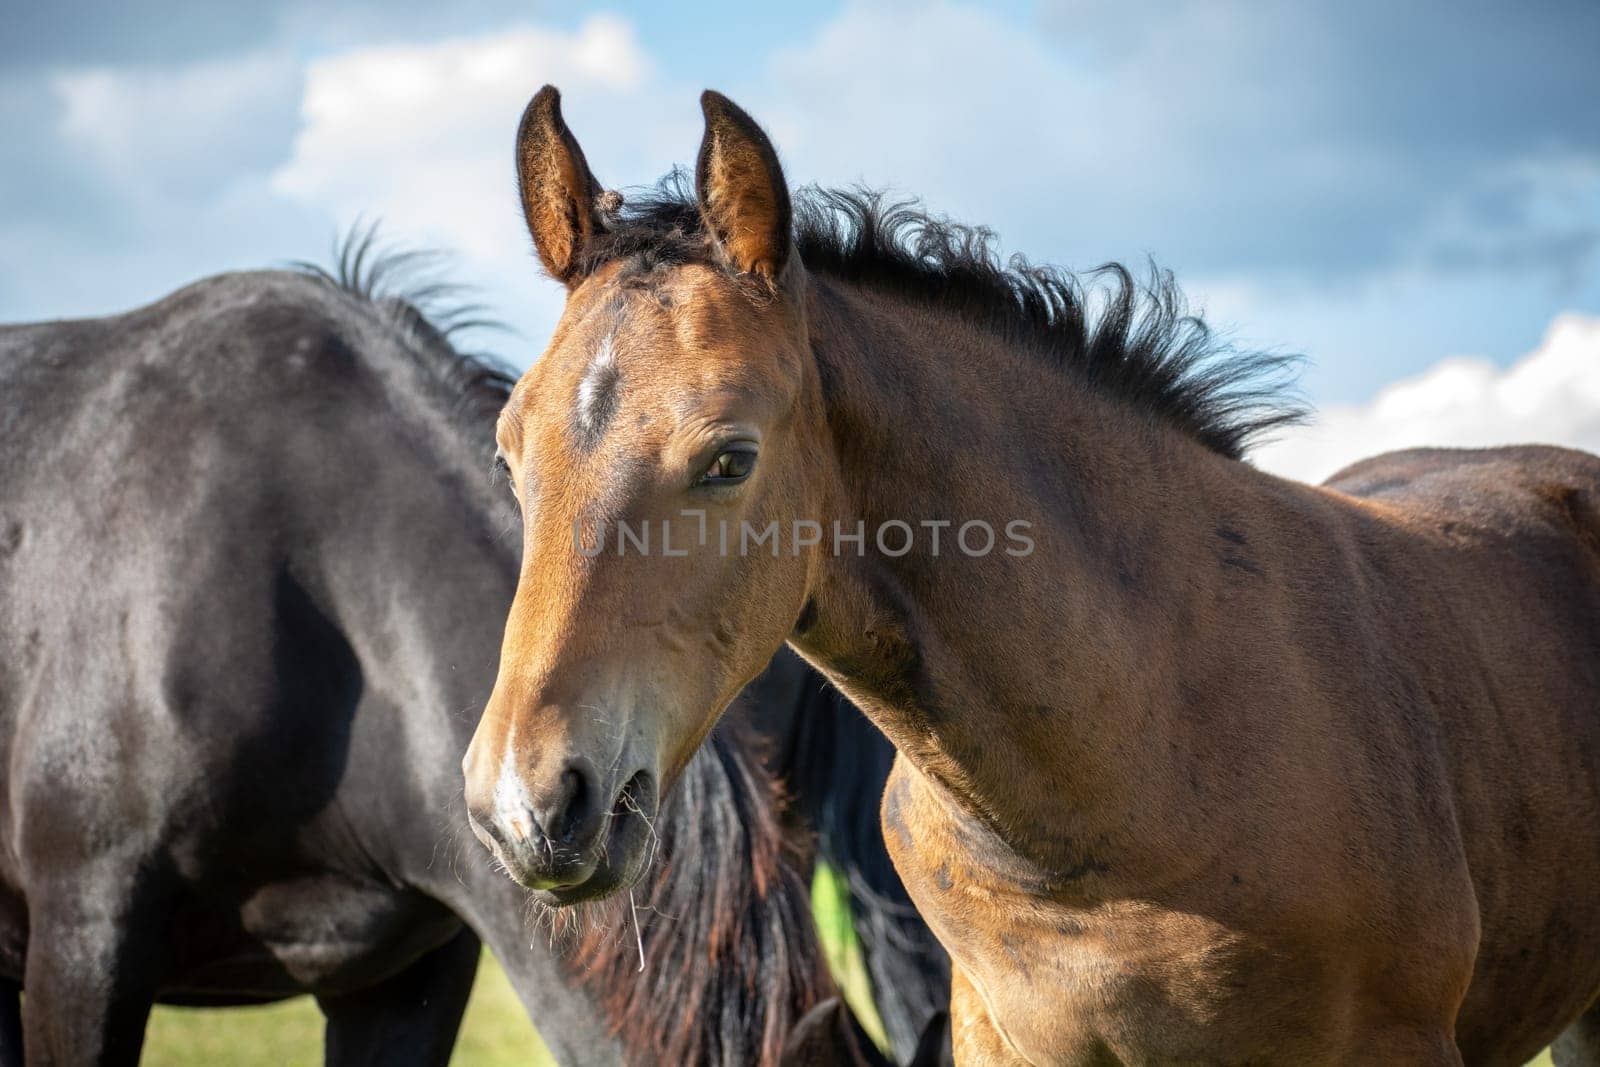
743	197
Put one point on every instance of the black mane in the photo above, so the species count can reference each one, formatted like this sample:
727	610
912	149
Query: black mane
404	287
1137	343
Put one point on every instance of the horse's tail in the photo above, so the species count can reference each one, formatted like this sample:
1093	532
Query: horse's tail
715	959
839	763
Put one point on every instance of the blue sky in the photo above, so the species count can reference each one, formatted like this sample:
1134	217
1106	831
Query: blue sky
1379	186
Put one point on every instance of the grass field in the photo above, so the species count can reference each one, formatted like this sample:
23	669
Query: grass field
495	1033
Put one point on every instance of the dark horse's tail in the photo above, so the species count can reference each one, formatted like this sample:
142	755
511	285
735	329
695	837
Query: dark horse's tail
729	953
838	763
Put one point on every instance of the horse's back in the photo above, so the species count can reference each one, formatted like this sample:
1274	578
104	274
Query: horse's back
1501	487
1497	566
164	649
1504	543
1388	471
1496	534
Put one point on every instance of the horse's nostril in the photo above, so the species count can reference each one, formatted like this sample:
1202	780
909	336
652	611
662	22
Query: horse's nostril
568	811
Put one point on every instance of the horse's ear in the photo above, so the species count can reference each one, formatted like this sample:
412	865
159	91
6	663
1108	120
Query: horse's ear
559	194
743	197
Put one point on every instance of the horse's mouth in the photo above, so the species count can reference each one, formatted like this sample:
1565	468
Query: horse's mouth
626	851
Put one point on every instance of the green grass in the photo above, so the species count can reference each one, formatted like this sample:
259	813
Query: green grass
286	1033
830	905
495	1033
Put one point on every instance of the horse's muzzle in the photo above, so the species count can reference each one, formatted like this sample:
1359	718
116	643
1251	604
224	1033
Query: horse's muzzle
571	846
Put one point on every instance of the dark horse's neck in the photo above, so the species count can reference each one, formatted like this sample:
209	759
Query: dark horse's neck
1033	684
730	954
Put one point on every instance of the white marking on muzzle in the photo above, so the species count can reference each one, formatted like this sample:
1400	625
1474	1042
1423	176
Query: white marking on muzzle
512	805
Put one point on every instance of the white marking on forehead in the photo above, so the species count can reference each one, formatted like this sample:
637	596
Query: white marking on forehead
595	390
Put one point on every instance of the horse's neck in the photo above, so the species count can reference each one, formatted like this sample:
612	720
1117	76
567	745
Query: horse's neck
420	581
431	586
431	570
1033	688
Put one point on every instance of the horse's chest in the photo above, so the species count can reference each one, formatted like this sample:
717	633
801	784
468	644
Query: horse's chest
1058	985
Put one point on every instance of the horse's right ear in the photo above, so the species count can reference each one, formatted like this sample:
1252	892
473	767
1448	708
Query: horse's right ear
559	194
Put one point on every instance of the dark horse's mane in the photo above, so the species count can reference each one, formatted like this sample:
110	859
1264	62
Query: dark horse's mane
726	979
1136	343
403	286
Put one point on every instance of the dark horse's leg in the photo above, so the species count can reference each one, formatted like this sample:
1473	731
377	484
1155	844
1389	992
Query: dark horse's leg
95	942
10	1024
409	1019
1579	1044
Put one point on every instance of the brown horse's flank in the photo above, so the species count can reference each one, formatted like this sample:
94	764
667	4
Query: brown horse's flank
1229	769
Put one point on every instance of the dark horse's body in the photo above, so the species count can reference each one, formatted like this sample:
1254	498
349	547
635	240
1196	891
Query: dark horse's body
252	574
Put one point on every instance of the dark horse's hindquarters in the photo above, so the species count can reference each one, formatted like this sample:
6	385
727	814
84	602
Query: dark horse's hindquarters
252	580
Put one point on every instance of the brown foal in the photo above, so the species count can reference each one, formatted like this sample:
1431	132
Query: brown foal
1197	764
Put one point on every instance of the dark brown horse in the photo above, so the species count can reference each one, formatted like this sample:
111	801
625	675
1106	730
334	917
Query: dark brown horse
1196	764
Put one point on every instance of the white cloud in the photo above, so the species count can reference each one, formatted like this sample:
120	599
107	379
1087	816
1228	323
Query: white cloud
936	100
174	133
421	135
125	182
1550	396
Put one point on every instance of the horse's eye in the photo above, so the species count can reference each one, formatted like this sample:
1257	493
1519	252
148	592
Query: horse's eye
733	465
502	469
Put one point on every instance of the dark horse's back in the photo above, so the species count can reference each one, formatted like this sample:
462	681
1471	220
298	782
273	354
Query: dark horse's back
1498	577
253	569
